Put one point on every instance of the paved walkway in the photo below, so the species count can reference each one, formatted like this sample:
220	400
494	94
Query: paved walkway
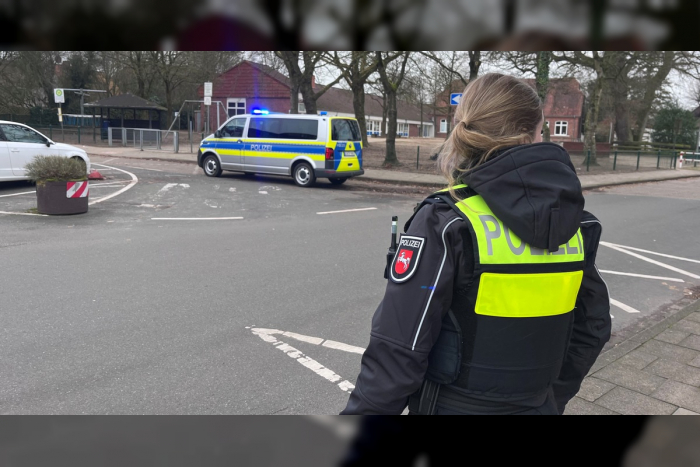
654	372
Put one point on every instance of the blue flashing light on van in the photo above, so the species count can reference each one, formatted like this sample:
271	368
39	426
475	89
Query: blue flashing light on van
260	112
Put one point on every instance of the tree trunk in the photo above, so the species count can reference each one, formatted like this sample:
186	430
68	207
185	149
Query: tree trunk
384	130
592	117
474	64
307	93
390	158
546	133
653	85
358	105
542	74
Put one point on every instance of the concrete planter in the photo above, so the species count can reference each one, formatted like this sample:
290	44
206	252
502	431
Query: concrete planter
53	199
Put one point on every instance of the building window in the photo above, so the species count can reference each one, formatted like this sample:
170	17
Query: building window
443	126
561	128
374	128
402	129
236	107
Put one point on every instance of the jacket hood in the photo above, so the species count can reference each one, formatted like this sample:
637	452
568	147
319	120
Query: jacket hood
534	190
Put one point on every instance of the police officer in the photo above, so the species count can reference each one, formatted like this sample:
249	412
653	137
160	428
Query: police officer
494	304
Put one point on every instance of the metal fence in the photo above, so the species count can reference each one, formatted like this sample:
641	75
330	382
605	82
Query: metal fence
625	161
144	138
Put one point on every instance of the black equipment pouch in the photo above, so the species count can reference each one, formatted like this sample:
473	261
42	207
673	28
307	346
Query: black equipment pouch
446	355
443	367
424	401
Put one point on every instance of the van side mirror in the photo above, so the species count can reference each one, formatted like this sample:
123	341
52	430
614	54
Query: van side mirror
217	134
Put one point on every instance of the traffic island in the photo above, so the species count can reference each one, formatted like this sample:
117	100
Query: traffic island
62	187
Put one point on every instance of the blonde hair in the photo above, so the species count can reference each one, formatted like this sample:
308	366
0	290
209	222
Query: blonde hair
496	111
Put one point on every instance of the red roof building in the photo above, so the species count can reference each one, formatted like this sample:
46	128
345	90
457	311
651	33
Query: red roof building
563	109
249	85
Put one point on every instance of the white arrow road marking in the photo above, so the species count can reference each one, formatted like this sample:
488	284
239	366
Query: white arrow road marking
652	252
168	186
649	260
346	210
134	181
313	340
622	306
644	276
308	362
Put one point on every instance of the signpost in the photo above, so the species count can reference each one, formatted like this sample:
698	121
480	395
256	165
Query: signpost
208	88
455	97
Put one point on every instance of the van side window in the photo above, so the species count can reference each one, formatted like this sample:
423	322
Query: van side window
234	128
283	128
345	130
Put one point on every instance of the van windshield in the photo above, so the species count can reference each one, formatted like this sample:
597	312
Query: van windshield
345	130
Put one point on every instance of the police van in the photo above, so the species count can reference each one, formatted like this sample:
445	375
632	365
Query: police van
305	147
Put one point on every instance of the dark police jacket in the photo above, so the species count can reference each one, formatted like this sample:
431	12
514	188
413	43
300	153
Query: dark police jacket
535	195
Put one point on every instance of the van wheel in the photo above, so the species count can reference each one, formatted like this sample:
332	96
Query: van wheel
337	181
304	175
211	166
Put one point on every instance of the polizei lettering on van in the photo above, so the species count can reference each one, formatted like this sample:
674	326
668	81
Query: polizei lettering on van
261	147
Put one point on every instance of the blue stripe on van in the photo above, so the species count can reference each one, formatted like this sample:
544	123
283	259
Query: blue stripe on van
276	147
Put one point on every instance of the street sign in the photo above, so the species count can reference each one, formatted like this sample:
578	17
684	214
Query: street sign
60	115
207	100
455	97
207	90
59	96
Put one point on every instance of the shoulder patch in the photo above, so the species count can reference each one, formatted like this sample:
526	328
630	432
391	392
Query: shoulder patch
406	259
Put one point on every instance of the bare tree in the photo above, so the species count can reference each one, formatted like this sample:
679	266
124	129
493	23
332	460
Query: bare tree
143	69
358	67
391	83
302	80
596	62
173	69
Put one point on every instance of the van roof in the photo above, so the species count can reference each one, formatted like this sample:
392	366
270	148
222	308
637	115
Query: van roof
281	115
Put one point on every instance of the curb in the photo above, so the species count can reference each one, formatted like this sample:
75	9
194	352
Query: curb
623	348
594	185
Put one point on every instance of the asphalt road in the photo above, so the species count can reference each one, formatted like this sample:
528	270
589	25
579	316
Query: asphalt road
130	309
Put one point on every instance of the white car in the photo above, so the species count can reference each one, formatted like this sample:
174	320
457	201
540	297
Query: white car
20	143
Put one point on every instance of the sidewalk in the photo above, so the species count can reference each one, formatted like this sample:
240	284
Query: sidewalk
408	178
653	372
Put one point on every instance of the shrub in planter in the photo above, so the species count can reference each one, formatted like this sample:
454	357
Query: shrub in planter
61	184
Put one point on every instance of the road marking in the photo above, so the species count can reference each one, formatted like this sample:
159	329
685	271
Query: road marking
168	186
132	183
644	276
142	168
622	306
305	360
23	214
655	253
17	194
344	347
649	260
346	210
108	160
312	340
194	218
